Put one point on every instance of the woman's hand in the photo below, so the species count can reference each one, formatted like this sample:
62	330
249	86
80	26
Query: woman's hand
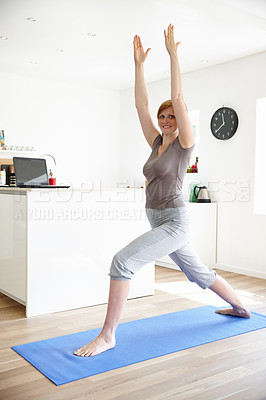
139	54
170	43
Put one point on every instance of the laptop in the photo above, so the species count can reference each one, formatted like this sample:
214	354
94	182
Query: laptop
32	173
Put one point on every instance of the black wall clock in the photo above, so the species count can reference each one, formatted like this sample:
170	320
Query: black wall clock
224	123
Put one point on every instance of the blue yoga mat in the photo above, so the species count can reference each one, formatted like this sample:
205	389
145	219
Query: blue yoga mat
137	341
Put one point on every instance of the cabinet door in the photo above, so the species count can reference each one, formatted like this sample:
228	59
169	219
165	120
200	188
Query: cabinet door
13	246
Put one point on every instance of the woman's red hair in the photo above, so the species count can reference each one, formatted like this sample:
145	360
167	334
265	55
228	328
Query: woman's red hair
163	106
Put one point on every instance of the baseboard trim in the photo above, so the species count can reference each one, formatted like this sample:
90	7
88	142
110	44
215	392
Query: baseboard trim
241	271
228	268
13	297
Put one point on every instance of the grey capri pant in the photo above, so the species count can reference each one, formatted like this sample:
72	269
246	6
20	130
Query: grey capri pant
169	236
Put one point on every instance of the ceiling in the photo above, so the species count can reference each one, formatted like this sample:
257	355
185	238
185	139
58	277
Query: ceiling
57	45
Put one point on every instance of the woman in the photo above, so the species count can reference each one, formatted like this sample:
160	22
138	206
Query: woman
165	170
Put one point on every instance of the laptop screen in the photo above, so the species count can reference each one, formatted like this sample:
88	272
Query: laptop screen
30	171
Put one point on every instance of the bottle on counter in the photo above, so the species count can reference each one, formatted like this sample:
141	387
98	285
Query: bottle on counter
2	177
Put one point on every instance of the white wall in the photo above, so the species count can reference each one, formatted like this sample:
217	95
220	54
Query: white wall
78	125
226	167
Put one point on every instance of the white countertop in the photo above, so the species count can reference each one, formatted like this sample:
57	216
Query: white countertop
18	189
4	188
116	191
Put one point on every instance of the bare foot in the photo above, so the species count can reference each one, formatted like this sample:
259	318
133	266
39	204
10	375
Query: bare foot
241	312
97	346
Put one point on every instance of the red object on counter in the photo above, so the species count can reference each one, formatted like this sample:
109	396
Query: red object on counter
52	181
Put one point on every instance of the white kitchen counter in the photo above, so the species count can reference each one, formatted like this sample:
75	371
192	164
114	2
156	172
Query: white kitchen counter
57	245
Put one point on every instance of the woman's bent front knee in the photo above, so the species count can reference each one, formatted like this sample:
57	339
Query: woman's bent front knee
118	269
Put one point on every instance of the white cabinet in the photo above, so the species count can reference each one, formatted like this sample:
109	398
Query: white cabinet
203	225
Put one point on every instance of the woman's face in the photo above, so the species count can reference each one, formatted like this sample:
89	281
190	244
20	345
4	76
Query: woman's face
167	121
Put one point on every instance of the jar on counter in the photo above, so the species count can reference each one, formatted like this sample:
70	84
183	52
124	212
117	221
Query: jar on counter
12	176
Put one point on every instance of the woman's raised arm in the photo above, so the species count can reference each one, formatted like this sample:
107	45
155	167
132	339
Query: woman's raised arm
141	95
186	135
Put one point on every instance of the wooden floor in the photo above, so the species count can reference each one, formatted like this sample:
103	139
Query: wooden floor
234	368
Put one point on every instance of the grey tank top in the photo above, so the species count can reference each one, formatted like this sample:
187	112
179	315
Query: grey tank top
165	175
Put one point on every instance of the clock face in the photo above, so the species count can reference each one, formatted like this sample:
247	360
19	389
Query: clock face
224	123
